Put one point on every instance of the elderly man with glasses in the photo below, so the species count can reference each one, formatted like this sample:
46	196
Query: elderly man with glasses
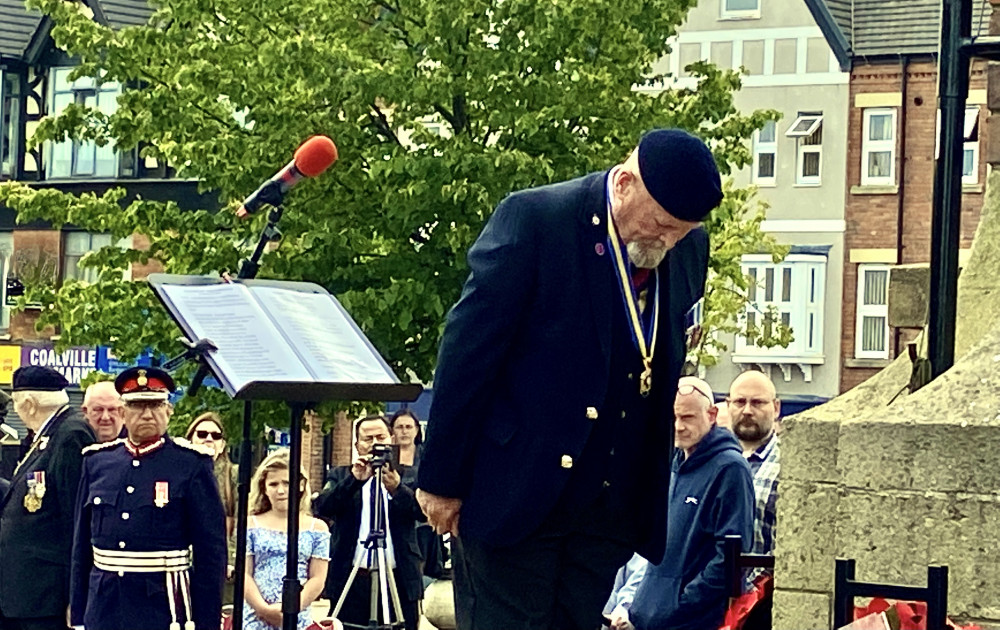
710	497
150	544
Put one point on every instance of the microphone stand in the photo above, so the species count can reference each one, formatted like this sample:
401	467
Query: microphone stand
250	266
290	586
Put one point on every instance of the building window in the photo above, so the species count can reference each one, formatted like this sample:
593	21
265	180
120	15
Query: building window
970	144
741	8
75	245
6	253
10	119
808	133
793	290
871	338
74	158
765	154
878	148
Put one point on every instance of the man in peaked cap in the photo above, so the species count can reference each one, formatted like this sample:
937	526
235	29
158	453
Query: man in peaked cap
150	544
36	521
555	384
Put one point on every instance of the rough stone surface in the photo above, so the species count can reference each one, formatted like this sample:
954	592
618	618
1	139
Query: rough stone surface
807	524
801	610
898	481
909	288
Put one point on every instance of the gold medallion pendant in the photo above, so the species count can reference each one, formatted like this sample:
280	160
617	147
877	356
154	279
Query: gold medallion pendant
32	503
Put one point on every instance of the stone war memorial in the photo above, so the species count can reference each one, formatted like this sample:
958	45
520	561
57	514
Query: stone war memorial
901	483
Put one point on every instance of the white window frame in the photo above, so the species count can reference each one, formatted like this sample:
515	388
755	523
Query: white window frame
762	148
10	121
878	146
88	274
804	126
105	98
970	125
738	14
863	310
805	308
803	129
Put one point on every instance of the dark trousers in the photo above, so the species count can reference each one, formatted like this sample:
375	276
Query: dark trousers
34	623
559	578
357	607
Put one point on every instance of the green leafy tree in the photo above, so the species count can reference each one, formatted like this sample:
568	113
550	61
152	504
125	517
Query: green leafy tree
439	108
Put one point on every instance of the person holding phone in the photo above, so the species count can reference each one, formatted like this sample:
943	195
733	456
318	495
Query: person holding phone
346	501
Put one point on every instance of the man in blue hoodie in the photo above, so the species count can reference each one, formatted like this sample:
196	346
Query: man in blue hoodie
711	496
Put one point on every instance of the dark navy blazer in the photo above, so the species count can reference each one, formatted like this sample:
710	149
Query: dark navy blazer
35	546
526	353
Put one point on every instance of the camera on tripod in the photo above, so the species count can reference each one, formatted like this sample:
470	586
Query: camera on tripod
382	454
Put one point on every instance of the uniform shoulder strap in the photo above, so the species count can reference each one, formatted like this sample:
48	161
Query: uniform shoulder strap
198	448
100	446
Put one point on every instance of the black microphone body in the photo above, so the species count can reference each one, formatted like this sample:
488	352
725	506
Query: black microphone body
273	190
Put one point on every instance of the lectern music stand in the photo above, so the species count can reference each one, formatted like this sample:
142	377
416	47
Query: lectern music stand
275	340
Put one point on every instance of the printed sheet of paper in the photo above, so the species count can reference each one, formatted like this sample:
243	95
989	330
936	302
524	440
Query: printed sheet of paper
250	347
324	336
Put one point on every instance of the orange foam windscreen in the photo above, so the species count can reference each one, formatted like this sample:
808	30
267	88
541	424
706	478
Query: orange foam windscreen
315	155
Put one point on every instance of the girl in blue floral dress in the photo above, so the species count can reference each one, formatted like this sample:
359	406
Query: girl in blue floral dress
267	544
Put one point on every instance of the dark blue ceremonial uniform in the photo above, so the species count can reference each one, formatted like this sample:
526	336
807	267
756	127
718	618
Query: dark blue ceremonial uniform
120	509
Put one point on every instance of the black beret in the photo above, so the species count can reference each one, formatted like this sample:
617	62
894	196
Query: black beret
680	173
38	379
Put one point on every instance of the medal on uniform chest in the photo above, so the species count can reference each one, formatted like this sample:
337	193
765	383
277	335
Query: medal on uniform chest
643	336
36	490
162	494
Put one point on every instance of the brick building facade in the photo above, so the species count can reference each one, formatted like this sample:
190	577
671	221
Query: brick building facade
888	218
891	51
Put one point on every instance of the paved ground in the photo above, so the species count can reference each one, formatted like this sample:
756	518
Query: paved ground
322	606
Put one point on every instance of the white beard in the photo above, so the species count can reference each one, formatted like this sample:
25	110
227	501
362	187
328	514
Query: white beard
647	255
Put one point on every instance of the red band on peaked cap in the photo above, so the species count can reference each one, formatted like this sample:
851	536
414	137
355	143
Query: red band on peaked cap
315	155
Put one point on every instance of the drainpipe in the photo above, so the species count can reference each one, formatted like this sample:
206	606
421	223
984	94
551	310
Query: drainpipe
904	64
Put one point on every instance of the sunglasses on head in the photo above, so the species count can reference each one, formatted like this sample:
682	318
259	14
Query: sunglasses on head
687	390
216	435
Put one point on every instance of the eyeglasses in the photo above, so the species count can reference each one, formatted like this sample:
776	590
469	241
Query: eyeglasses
756	403
203	435
142	405
687	390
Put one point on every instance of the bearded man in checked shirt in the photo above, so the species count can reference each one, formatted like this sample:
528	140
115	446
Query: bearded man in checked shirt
754	409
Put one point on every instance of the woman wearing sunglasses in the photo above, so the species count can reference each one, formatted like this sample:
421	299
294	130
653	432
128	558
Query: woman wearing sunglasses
206	430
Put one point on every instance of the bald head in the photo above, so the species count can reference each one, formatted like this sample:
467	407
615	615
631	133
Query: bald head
757	380
697	389
102	406
753	408
694	413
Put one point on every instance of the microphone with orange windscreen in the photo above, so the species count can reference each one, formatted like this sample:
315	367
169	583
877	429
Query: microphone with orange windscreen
313	156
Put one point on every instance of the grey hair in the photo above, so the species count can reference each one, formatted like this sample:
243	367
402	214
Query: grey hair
44	399
100	387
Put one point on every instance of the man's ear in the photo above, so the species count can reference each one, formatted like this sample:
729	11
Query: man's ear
713	413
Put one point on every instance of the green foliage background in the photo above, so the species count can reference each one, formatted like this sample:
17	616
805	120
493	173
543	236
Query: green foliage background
439	108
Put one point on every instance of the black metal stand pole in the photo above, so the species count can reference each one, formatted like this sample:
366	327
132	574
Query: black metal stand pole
242	501
946	225
291	588
250	266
